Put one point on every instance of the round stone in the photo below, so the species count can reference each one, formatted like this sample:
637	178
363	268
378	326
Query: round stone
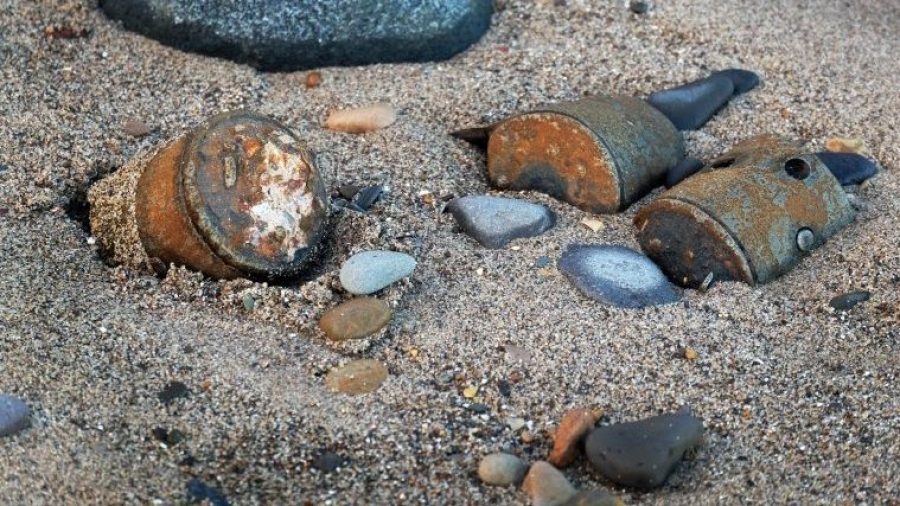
370	271
546	486
359	377
501	469
253	193
355	319
14	415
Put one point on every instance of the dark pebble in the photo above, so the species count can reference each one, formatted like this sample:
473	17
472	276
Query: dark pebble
848	300
302	34
477	136
173	390
638	6
642	454
199	491
329	462
743	80
848	168
691	105
504	388
348	191
367	196
685	169
15	415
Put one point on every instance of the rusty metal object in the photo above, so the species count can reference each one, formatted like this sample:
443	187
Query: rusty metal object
599	153
750	216
239	196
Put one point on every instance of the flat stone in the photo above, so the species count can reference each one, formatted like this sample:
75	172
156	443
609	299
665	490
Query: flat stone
546	486
617	276
594	498
15	415
642	454
370	271
685	169
302	34
573	427
501	469
495	221
846	301
691	105
359	377
848	168
355	319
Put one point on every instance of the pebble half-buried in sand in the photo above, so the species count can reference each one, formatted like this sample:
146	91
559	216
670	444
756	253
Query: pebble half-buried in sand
239	196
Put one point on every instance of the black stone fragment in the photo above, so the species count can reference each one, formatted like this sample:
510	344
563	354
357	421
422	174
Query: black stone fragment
303	34
846	301
477	136
348	191
743	80
367	196
642	454
328	462
690	106
198	491
639	6
848	168
172	391
685	169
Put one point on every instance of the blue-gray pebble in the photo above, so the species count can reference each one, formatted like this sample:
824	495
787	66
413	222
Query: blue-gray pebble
495	221
690	105
848	168
643	454
15	415
370	271
301	34
617	276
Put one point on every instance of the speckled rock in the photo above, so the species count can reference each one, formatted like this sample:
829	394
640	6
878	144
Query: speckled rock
370	271
501	469
546	486
359	377
495	221
15	415
642	454
617	276
355	319
300	34
573	427
594	498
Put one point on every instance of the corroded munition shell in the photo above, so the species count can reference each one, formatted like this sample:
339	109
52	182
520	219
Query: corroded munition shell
599	153
750	216
239	196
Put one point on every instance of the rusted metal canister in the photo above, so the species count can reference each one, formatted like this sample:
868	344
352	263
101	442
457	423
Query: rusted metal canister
239	196
599	153
750	216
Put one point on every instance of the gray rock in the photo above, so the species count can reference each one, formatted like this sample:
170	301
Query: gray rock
494	221
501	469
301	34
370	271
617	276
546	486
642	454
594	498
15	415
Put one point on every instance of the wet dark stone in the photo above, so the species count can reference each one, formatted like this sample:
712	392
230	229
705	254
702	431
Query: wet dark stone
302	34
691	105
643	454
495	221
848	168
199	491
743	80
329	462
685	169
173	390
477	136
848	300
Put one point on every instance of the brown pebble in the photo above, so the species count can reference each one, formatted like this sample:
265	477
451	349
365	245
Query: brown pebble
359	377
573	427
313	79
355	319
841	145
135	128
546	486
363	119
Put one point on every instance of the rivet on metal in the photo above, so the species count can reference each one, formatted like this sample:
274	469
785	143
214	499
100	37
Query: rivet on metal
806	240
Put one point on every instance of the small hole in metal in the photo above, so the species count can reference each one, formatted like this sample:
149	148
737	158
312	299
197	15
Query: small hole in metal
797	168
721	163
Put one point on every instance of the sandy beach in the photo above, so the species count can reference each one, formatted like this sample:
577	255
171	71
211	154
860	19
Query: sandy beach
799	401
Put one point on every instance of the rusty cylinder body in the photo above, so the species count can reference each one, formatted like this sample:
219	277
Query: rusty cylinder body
750	216
599	153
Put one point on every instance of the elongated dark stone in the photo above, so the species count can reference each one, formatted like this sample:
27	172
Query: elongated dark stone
743	80
848	168
478	136
690	105
685	169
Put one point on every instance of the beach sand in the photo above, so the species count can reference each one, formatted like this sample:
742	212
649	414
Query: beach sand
799	402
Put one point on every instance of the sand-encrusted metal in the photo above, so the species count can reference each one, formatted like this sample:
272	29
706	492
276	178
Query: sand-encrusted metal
740	217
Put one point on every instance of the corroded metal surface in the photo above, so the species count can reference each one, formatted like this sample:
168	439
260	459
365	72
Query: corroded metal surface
740	217
599	153
238	196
